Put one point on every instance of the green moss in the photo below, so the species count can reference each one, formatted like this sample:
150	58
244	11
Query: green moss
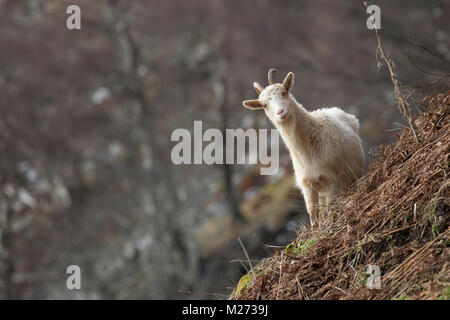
243	283
434	215
409	216
445	293
430	208
298	248
447	242
392	242
362	279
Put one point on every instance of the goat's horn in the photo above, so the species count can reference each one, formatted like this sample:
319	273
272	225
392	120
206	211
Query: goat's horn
270	75
259	88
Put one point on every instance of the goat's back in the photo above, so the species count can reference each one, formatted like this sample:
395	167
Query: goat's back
339	114
341	145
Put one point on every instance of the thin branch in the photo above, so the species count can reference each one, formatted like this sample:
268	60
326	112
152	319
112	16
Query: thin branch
433	53
420	68
279	277
252	271
402	103
428	84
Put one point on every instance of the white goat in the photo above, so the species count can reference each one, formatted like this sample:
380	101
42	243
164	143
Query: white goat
325	148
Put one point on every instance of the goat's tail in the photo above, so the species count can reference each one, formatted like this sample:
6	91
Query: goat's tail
353	122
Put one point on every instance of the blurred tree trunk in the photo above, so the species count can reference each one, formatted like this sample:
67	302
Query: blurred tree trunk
176	234
221	88
221	91
6	259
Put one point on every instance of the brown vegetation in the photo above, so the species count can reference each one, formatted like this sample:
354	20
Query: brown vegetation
396	217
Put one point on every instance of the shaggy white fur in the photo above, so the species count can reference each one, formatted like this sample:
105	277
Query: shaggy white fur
324	144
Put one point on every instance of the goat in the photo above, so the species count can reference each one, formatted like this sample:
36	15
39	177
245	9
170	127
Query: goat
324	144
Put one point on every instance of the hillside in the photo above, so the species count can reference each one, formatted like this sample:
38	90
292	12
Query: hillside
396	217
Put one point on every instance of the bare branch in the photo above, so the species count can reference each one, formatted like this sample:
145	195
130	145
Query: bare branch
402	103
433	53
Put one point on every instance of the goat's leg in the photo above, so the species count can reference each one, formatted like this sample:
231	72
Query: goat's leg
312	203
323	206
329	199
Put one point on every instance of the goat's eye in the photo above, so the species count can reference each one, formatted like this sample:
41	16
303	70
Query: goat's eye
284	94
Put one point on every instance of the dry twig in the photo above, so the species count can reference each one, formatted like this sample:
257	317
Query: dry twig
402	103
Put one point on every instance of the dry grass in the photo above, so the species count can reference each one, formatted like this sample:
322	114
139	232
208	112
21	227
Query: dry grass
396	217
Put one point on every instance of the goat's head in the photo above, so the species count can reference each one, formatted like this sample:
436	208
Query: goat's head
275	99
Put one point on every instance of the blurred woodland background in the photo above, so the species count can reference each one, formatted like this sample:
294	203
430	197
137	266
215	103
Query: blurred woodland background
86	117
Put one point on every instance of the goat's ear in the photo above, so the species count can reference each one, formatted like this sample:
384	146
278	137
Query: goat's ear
252	104
259	88
288	82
